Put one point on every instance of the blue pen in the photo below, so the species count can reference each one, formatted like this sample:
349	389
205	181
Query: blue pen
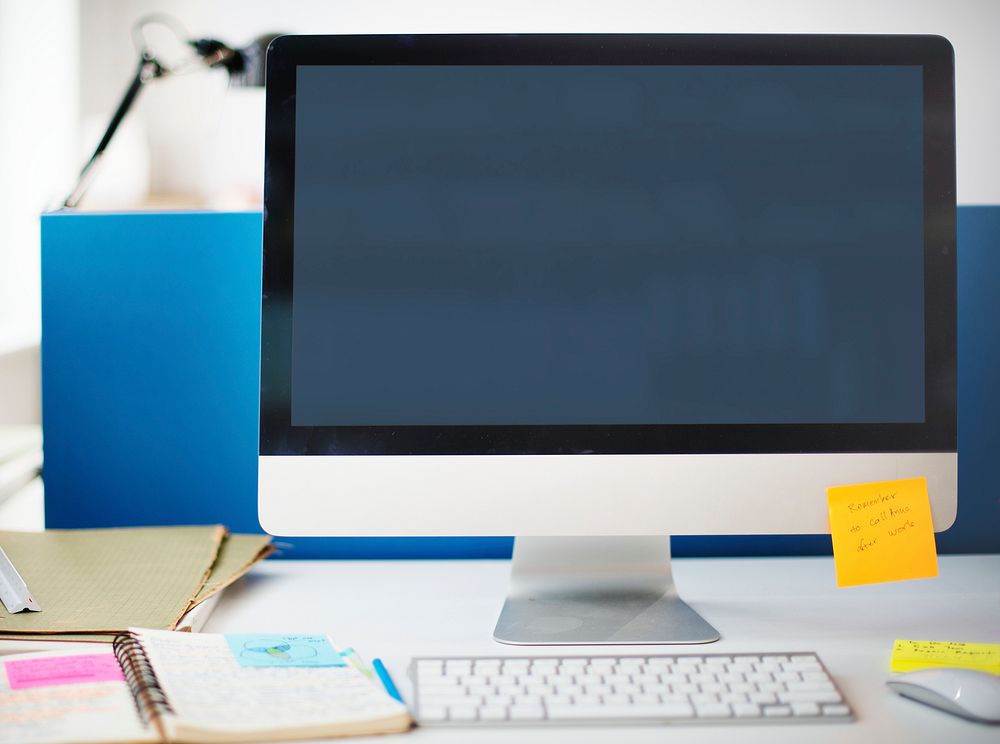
387	683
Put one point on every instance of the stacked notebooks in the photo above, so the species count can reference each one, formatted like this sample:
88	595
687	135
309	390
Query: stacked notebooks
95	584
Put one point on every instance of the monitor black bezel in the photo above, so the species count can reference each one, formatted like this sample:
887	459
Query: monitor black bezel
933	53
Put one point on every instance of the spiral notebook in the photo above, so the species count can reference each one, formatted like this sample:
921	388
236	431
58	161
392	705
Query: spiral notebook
163	686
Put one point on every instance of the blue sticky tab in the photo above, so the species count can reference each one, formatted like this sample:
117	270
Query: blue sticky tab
284	651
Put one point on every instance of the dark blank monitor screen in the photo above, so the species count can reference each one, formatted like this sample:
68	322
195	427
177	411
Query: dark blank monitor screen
497	245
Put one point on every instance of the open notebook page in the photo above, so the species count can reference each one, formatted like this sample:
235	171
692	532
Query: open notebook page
78	697
211	693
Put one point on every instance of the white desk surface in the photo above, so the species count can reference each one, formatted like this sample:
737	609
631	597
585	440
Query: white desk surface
400	609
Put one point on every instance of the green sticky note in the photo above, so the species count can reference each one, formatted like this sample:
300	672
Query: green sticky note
273	650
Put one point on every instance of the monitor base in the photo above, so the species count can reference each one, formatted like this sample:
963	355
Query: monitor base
596	590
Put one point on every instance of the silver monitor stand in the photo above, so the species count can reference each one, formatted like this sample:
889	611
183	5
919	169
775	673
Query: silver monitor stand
596	590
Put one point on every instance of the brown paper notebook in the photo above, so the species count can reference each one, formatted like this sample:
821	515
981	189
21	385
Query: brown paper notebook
103	581
237	555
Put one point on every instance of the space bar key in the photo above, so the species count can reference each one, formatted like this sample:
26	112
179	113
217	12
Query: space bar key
599	712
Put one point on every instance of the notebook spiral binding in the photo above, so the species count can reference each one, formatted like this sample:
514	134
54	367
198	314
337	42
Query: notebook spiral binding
149	697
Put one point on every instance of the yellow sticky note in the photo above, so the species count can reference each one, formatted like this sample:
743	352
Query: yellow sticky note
910	655
882	532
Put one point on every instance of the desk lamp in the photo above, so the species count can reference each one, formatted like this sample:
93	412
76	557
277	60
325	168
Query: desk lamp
245	67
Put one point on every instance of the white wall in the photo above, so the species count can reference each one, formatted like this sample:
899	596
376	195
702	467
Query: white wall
38	120
184	117
38	123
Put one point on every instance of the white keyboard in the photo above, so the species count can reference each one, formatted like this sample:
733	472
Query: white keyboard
716	688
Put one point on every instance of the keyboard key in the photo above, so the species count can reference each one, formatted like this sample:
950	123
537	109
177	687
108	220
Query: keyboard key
564	713
539	689
493	713
805	709
824	686
704	698
440	683
777	711
526	713
746	710
809	697
800	667
815	677
462	712
712	710
676	699
732	697
836	710
658	688
645	699
515	664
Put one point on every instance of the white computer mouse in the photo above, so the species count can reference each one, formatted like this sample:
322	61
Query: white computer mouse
965	692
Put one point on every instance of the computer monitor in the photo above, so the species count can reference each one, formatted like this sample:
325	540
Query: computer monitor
594	290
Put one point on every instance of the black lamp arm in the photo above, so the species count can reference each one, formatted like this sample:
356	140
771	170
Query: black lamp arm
147	70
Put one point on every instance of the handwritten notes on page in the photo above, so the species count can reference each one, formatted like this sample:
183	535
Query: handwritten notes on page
80	697
908	656
882	532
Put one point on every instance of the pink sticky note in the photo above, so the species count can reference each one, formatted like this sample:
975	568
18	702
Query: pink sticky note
48	671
